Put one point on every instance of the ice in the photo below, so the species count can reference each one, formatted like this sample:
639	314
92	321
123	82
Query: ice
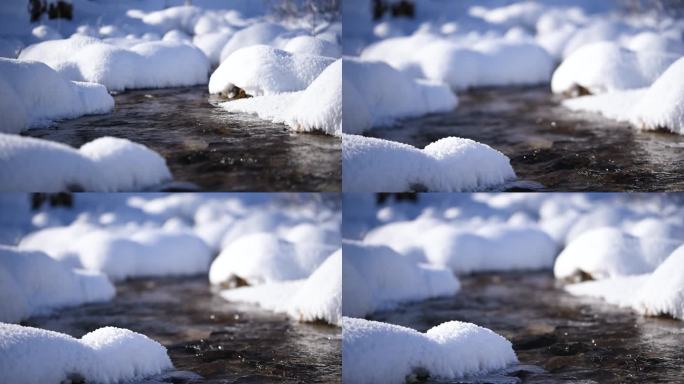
104	164
120	253
376	278
316	298
318	108
262	70
106	355
606	67
375	94
450	164
32	94
375	352
32	283
608	252
653	294
155	64
260	258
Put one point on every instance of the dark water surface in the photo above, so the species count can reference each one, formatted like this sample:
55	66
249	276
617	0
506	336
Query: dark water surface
558	338
551	145
207	336
208	147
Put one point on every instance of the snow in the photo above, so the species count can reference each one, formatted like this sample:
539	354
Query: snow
33	95
263	70
263	33
606	67
132	251
311	45
104	164
106	355
609	252
653	294
375	352
375	94
450	164
318	108
260	258
316	298
32	283
657	107
155	64
378	278
212	43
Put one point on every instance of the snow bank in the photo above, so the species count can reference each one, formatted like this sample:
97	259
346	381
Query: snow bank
260	258
606	67
155	64
32	283
106	355
316	298
654	294
449	164
377	278
316	109
375	352
32	94
262	70
104	164
608	252
375	94
132	251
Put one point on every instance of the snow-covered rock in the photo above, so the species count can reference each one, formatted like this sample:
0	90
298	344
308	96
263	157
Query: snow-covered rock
260	258
376	278
155	64
32	94
606	67
104	164
609	252
256	34
263	70
313	46
652	294
447	165
128	252
318	108
32	283
106	355
316	298
375	352
375	94
212	43
661	105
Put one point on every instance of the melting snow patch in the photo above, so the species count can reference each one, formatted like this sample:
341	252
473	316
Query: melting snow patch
375	352
104	164
106	355
448	165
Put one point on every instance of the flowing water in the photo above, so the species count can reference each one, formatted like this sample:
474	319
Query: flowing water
551	145
558	338
209	148
209	339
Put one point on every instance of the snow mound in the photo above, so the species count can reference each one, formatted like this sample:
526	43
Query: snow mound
256	34
260	258
662	105
310	45
104	164
316	298
106	355
130	252
609	252
32	283
375	94
155	64
448	165
654	294
32	94
212	43
262	70
316	109
375	352
377	278
606	67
